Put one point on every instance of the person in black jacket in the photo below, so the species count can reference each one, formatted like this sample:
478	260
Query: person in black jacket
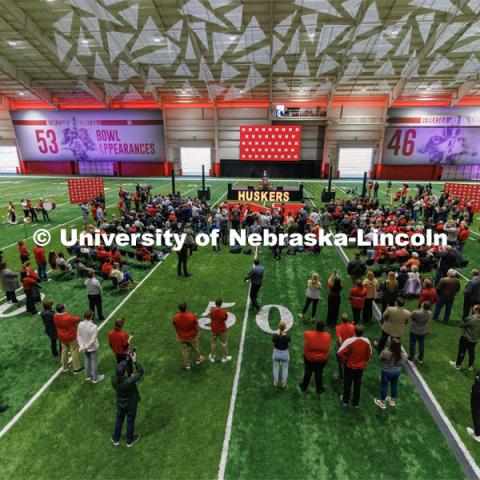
356	268
475	407
127	398
182	261
50	329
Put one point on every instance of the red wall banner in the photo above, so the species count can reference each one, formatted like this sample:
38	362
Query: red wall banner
270	142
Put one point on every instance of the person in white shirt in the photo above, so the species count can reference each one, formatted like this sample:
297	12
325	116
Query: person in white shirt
88	344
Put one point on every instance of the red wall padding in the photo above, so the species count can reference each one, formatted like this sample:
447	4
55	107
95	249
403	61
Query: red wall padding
408	172
122	169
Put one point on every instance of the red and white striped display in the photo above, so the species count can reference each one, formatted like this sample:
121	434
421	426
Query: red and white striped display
85	189
270	142
465	192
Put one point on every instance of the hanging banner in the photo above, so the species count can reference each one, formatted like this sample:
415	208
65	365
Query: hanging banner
83	135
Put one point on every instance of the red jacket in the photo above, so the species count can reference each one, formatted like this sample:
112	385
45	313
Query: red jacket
66	326
316	346
118	341
39	254
23	250
344	331
186	326
355	352
218	317
428	295
27	282
357	296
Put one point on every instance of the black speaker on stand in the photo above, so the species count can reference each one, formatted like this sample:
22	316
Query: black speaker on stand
204	193
327	194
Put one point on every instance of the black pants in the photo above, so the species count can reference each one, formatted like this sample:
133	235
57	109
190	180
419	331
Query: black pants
467	307
475	407
382	341
357	315
46	218
182	265
95	302
333	309
465	345
30	303
414	338
55	346
254	289
131	413
355	377
11	296
367	310
120	357
33	214
314	302
310	369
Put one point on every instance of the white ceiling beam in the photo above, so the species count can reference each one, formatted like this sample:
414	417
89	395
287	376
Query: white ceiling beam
31	29
463	90
427	48
13	72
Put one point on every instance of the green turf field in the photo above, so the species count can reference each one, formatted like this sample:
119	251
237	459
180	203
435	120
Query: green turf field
183	415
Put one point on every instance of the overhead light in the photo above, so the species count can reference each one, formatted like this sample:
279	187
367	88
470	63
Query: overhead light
21	94
157	39
311	35
394	33
85	41
232	37
12	43
242	91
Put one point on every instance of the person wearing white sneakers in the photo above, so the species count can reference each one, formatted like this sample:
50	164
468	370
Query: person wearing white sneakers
88	344
391	359
475	407
218	326
281	356
468	340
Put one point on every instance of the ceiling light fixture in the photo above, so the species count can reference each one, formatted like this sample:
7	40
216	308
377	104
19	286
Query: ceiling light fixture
157	39
232	37
21	94
12	43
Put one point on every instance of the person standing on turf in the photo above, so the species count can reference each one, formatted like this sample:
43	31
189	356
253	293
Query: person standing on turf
391	359
182	255
218	326
372	286
187	330
343	332
419	328
41	260
468	340
355	353
10	282
94	292
447	289
471	293
313	295
395	320
281	356
50	329
475	409
127	398
88	344
119	341
316	347
335	287
357	300
66	325
255	275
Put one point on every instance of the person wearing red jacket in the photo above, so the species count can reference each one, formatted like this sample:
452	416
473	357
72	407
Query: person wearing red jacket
41	259
23	251
355	353
428	293
218	326
30	282
343	331
357	300
316	347
66	326
187	330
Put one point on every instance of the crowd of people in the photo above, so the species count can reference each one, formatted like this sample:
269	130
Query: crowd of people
382	278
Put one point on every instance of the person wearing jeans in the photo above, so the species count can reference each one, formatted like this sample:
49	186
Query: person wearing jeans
316	348
447	288
281	356
88	344
419	327
41	260
391	360
468	340
127	398
355	353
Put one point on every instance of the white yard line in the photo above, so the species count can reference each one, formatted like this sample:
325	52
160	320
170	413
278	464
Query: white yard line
233	399
32	400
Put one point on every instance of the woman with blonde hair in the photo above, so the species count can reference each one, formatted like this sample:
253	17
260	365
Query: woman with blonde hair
313	295
280	357
389	290
413	286
372	286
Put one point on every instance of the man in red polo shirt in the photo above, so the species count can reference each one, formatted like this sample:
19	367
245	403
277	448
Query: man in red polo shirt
66	326
218	325
316	348
355	353
188	331
41	260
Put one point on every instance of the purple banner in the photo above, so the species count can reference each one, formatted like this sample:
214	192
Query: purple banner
83	135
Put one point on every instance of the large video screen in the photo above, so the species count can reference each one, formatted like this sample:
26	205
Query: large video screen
83	135
270	142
